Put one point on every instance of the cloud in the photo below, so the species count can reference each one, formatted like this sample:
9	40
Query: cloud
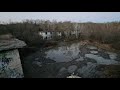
61	16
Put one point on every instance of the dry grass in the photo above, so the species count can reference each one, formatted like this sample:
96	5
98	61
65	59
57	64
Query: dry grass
6	37
102	46
112	71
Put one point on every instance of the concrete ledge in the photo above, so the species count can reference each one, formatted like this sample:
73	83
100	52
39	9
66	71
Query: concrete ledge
11	44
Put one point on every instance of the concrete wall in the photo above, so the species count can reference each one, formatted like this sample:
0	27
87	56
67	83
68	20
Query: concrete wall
10	64
51	35
45	36
59	34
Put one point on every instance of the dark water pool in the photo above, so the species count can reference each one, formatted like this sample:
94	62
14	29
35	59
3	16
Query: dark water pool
63	60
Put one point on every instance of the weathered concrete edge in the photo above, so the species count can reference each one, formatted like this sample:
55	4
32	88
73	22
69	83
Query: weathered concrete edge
15	45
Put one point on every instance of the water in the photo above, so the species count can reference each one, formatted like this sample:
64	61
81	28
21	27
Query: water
64	53
68	58
73	52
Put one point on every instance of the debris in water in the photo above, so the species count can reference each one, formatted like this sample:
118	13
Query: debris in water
73	76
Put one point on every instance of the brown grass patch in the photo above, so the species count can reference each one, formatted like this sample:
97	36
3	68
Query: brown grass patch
112	71
107	47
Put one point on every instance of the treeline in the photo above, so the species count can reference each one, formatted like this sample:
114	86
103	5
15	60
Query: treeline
25	31
28	30
107	33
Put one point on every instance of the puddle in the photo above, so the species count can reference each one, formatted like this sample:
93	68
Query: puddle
101	60
74	52
64	53
91	47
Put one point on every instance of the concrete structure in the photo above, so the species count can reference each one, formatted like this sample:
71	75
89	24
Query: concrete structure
46	34
69	33
10	63
59	33
49	34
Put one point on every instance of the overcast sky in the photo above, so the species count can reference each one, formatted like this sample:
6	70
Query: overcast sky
61	16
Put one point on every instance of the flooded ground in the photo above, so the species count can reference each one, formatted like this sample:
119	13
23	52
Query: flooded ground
65	59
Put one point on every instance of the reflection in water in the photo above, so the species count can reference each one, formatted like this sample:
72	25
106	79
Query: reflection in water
73	52
86	59
64	53
87	62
